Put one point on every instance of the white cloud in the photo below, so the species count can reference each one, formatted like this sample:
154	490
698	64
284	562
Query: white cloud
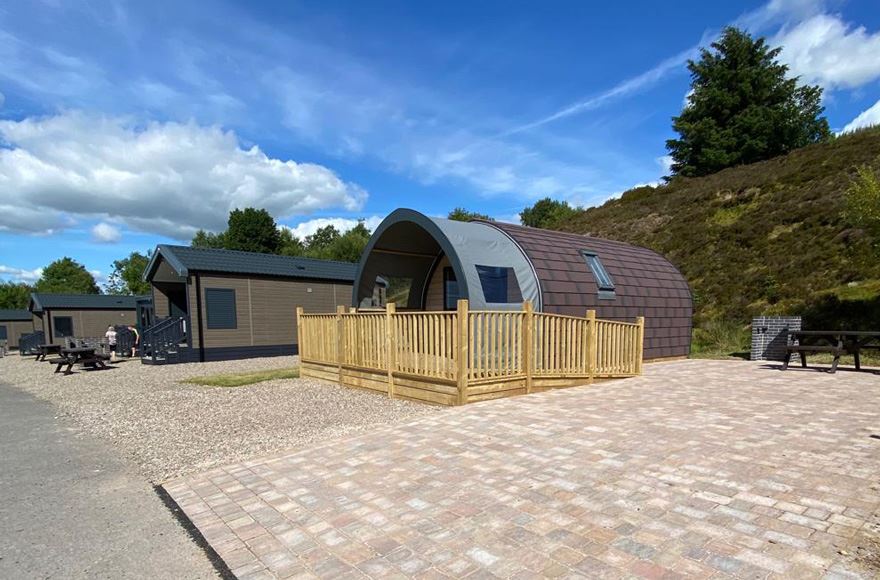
19	274
100	278
166	178
777	12
309	227
105	233
825	50
867	118
512	218
622	89
665	163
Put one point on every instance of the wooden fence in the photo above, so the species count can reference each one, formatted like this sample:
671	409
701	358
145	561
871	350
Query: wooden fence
462	356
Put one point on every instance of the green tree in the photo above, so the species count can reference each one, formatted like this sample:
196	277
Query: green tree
15	295
547	213
204	239
290	244
319	243
743	108
349	246
460	214
66	276
127	275
863	203
252	230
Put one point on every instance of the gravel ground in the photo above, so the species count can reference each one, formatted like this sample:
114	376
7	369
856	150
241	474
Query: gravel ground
171	429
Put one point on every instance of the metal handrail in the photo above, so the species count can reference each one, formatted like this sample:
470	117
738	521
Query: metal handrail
28	343
162	338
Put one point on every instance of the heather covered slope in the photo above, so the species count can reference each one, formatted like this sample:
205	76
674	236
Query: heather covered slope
761	238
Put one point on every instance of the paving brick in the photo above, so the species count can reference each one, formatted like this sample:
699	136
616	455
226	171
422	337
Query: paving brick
697	469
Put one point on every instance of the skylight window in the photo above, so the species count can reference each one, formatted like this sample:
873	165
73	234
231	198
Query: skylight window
603	278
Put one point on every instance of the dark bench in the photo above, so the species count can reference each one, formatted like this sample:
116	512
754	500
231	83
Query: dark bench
79	356
835	342
802	350
59	362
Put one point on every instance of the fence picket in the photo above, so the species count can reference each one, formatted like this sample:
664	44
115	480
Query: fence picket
500	344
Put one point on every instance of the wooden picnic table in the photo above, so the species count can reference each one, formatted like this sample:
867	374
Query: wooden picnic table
86	356
47	349
836	342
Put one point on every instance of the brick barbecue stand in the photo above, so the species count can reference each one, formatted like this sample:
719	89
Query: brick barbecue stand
770	336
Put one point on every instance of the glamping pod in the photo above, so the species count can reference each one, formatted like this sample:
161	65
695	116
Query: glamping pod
425	263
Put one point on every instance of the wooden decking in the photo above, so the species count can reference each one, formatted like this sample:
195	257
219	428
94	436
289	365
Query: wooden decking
458	357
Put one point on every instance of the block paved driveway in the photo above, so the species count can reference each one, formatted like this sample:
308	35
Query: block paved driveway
696	469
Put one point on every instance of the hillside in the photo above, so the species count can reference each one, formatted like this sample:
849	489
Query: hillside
762	238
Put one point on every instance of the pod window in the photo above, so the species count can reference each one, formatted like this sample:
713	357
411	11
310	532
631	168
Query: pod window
499	284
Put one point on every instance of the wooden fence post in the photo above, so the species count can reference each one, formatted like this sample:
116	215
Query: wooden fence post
528	330
640	348
463	340
592	346
340	340
299	333
390	345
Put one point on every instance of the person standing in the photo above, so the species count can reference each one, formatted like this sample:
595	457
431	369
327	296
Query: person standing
110	335
137	340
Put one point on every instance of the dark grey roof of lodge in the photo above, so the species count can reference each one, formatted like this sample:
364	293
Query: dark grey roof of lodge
41	301
14	314
184	259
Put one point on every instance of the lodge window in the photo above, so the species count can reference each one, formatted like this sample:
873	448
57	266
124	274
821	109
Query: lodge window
499	284
3	335
220	308
601	275
63	326
450	289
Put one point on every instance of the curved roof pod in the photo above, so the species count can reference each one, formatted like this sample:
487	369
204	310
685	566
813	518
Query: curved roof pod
409	245
644	284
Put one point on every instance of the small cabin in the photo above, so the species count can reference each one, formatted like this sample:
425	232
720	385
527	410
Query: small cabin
225	304
430	263
62	316
13	324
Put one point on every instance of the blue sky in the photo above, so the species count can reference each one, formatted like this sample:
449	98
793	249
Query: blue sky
127	124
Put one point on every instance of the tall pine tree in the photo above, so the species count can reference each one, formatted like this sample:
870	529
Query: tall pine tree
743	108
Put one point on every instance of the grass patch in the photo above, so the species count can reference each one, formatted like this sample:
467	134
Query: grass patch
721	339
241	379
868	358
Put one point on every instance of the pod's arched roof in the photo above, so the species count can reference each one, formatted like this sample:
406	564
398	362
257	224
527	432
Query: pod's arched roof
559	263
408	244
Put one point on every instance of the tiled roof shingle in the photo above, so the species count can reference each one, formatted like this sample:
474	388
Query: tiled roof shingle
235	262
14	314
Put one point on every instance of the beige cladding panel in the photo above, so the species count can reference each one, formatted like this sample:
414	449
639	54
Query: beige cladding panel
273	309
92	323
160	303
266	309
95	322
193	311
15	328
39	322
239	336
434	296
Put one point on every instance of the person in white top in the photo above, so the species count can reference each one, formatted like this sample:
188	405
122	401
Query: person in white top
110	335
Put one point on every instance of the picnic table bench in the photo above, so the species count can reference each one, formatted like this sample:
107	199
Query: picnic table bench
46	350
85	356
835	342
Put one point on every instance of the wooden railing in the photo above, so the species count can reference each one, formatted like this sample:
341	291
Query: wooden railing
460	356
